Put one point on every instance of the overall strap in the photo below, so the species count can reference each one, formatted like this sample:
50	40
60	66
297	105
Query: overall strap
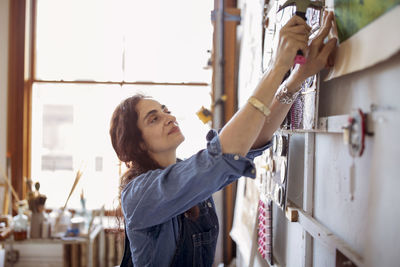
197	237
180	243
127	258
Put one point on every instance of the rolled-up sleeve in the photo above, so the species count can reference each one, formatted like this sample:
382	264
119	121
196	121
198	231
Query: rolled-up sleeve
156	196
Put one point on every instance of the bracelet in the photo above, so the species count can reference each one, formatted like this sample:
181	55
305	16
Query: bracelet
259	105
286	97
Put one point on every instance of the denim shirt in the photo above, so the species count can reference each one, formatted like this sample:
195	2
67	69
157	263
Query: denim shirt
152	201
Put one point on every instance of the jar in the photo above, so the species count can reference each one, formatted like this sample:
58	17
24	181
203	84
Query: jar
20	224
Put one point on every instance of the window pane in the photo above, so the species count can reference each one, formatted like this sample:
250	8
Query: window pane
70	131
157	40
167	41
65	145
79	40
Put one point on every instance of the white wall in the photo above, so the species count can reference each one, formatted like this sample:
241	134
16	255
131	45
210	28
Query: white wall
4	8
369	223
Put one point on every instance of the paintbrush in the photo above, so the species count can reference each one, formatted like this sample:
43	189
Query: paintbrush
77	178
5	177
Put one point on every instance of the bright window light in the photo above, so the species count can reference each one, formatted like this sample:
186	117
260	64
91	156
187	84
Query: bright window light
117	41
154	40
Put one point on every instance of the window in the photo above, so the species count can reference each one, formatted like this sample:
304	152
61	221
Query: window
57	124
90	55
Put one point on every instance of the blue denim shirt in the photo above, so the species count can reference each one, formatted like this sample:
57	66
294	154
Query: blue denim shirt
152	201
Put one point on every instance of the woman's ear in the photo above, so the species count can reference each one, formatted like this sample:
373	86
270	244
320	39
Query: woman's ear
142	146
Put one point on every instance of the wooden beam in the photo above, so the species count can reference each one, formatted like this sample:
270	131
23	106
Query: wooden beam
15	127
19	92
326	237
308	195
230	107
126	83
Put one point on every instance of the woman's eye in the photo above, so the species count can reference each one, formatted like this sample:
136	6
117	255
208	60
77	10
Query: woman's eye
154	119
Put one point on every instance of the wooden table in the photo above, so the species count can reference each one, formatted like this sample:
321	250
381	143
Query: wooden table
10	245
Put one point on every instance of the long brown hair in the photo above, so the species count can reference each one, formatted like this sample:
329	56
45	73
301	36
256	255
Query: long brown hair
126	138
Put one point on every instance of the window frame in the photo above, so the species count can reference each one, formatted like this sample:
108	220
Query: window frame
21	75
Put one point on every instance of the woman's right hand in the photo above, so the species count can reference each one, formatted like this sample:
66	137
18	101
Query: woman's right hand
292	37
246	129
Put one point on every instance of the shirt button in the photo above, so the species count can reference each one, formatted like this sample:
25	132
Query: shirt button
209	204
253	171
236	157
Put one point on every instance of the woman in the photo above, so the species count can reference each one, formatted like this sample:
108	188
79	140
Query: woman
169	213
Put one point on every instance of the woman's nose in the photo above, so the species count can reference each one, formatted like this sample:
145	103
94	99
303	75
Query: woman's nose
170	119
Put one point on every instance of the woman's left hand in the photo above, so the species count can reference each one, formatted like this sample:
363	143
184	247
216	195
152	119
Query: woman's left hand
318	53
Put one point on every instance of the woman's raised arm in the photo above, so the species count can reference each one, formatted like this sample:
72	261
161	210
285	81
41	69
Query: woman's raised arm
250	128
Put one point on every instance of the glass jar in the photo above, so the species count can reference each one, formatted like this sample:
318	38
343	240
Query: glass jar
20	224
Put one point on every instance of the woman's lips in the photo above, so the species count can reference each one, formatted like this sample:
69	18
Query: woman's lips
173	130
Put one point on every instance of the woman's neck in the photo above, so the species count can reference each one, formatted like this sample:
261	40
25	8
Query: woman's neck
166	158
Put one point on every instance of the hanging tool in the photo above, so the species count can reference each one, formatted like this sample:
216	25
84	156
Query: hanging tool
301	8
204	115
354	133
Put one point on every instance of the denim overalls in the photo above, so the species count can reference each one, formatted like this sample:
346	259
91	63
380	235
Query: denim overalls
197	239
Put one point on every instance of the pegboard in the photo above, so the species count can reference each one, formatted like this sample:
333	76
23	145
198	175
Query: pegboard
272	176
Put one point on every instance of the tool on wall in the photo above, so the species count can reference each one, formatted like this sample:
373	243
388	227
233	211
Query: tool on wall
354	133
354	136
301	8
204	115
